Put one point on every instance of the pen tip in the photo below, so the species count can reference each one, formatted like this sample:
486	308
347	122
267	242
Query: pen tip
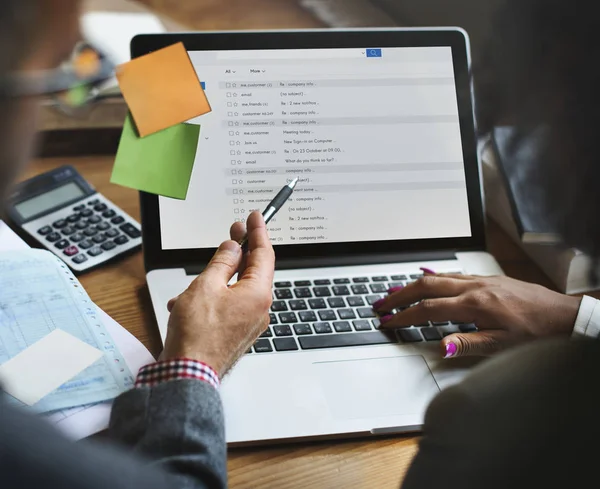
294	182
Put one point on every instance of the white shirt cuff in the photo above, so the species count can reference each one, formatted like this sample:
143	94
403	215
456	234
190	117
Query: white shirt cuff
587	323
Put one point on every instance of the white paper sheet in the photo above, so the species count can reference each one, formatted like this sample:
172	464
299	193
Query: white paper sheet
80	422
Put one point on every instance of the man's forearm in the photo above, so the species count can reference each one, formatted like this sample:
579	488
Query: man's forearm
177	425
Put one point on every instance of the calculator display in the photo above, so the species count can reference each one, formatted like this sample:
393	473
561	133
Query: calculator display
49	200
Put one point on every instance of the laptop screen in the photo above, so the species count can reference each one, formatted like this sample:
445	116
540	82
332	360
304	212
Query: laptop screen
372	133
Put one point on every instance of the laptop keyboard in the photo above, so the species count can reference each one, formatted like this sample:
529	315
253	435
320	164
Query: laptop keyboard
335	313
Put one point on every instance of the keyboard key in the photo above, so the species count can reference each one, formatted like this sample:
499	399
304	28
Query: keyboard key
53	237
323	281
85	244
112	233
130	230
109	214
82	225
378	288
327	315
339	290
308	316
74	217
79	208
118	220
361	325
372	299
288	317
267	334
341	281
467	328
279	306
68	230
303	292
99	238
121	240
45	230
360	289
71	250
283	285
263	346
360	280
109	245
103	226
61	223
348	339
87	213
90	231
376	323
342	326
94	220
440	323
298	305
346	314
393	285
399	277
79	259
431	334
62	244
410	335
284	294
356	301
322	328
282	330
302	283
94	202
95	251
365	312
380	278
272	318
76	237
285	344
336	302
100	207
302	329
416	276
317	304
322	292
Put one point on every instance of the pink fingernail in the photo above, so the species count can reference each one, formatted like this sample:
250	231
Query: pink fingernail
395	289
378	304
386	319
428	270
451	350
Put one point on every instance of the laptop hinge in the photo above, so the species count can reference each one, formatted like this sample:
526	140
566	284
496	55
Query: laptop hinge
348	260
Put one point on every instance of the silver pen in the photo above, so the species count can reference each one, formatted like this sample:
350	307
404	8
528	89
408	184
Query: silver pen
274	206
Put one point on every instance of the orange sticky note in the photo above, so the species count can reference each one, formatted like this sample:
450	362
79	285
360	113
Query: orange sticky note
162	89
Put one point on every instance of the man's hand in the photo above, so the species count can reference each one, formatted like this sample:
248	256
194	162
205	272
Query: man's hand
506	311
214	323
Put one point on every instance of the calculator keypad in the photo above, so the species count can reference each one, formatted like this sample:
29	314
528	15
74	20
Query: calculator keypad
88	230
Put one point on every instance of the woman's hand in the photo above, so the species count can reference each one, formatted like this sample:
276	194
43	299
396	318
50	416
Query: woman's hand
214	323
506	311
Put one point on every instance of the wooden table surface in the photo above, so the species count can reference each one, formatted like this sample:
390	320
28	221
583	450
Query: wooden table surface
120	290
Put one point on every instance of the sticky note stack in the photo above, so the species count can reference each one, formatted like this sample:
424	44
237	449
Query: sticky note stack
157	149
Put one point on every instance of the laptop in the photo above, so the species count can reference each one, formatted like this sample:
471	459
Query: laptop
378	125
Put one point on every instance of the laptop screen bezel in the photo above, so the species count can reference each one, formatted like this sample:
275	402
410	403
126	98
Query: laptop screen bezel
155	257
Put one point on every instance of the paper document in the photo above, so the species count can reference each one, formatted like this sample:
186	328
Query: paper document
38	294
161	163
83	421
162	89
45	366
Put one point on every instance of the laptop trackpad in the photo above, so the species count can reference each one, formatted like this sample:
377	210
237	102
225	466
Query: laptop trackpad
376	387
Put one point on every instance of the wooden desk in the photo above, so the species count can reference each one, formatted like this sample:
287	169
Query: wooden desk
120	290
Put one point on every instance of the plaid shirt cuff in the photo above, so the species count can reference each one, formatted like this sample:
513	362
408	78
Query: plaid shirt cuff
178	369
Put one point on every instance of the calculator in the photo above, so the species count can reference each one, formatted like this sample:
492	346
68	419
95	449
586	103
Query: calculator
62	212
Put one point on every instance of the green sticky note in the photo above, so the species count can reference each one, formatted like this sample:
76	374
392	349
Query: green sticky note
161	163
